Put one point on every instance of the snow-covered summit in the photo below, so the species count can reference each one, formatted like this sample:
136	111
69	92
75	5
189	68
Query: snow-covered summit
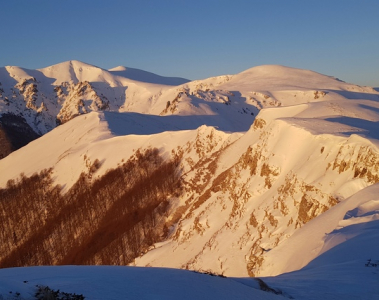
288	76
76	71
275	78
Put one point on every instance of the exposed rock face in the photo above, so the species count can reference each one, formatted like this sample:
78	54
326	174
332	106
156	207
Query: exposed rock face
78	99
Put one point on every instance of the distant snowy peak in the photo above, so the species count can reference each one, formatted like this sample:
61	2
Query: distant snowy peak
144	76
276	77
76	71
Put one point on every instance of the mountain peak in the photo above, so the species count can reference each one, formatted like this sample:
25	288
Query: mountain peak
279	71
72	63
74	71
278	77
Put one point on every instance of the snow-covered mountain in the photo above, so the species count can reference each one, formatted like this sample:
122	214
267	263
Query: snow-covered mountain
56	94
268	171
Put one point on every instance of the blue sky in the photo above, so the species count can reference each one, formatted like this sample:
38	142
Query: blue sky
196	39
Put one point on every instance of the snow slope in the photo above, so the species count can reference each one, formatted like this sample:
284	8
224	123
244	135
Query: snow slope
339	252
113	283
349	227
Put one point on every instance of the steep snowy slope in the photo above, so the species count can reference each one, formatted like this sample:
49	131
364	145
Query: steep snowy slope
346	232
339	248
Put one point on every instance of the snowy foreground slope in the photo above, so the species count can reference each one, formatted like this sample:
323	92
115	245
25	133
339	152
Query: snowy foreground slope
113	283
278	176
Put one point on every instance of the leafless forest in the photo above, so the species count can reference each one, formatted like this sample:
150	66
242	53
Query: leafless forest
110	220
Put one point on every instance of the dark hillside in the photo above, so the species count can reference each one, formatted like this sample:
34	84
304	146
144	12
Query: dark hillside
14	134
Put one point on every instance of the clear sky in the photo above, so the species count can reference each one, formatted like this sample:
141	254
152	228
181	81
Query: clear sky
196	38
